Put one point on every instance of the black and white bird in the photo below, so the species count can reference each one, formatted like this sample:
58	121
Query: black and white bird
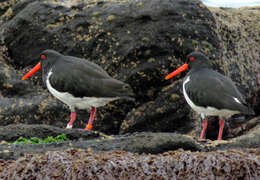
210	93
79	83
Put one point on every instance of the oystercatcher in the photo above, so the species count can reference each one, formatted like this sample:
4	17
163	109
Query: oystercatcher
210	93
79	83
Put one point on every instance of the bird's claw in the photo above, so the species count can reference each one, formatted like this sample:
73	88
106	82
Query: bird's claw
69	126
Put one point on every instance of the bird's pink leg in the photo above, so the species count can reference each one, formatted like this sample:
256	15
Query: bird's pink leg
221	127
72	119
204	125
91	118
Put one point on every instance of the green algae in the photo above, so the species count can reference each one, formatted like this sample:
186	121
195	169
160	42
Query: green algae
36	140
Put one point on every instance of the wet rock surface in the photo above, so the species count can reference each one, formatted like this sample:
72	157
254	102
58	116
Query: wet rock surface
140	142
13	132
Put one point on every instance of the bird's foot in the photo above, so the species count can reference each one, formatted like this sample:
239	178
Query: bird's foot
88	127
69	126
72	119
80	129
202	140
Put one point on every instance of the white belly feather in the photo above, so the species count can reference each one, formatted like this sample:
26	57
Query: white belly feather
80	103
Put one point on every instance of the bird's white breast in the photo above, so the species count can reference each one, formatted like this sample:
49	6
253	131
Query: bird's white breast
208	111
80	103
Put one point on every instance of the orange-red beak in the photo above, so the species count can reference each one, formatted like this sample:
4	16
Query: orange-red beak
184	67
32	71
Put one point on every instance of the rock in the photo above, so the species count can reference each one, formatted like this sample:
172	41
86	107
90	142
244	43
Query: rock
107	34
239	36
13	132
139	143
29	110
97	150
5	8
167	112
249	140
243	128
20	103
84	164
102	30
238	32
10	82
136	42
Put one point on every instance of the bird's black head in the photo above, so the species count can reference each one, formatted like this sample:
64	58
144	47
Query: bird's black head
48	59
49	56
197	60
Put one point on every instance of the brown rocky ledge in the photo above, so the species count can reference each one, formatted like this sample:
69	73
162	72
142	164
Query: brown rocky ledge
84	164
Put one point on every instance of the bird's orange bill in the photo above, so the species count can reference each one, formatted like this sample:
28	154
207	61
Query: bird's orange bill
32	71
184	67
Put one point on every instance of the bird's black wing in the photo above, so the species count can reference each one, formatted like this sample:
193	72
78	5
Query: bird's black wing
85	79
87	65
210	88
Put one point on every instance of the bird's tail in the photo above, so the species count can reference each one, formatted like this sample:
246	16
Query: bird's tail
128	91
248	110
119	88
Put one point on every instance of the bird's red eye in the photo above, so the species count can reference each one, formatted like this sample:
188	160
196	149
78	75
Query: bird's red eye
191	58
43	56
